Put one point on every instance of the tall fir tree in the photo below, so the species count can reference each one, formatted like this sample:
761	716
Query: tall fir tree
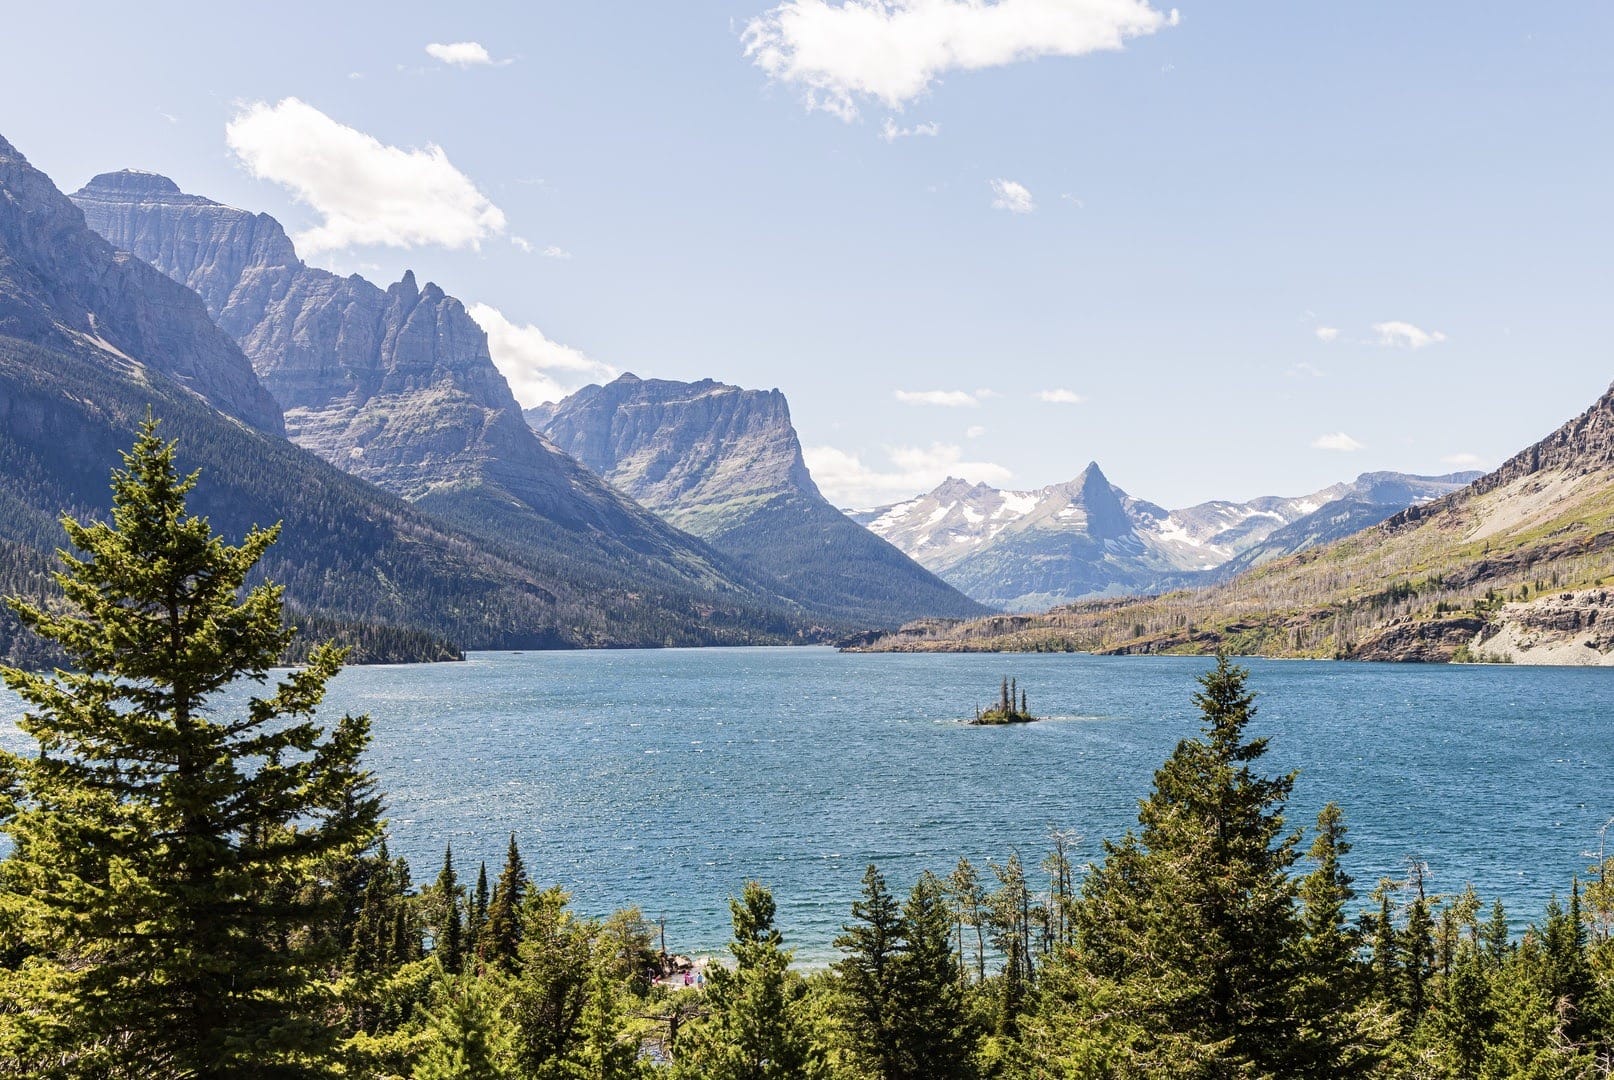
477	916
502	932
165	844
552	992
755	1027
1190	926
449	943
867	978
1340	1030
930	1025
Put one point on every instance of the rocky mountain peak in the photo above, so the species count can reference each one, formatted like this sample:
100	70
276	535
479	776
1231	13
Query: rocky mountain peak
954	488
724	462
61	284
132	182
1581	446
685	449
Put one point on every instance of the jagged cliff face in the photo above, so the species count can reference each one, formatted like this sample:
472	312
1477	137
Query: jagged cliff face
62	285
1029	550
393	385
91	339
702	454
725	463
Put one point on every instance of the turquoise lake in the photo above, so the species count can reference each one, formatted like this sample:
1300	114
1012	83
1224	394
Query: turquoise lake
667	779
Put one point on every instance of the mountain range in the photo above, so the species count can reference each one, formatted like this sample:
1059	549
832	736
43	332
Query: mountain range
1513	567
397	386
1030	550
91	337
725	464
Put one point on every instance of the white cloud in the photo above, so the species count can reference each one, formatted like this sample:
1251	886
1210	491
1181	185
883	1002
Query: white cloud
1336	441
1060	396
554	252
461	54
1464	461
537	369
846	481
365	191
893	50
522	244
1327	333
974	431
950	399
1011	196
890	132
1404	335
1303	368
1074	199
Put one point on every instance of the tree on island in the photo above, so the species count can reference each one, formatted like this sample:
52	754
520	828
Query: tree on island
163	888
1011	708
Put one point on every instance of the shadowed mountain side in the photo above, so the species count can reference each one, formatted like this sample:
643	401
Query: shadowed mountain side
349	553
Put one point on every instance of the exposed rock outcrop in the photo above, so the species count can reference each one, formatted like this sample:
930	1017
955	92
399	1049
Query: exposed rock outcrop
1574	627
725	463
62	285
394	385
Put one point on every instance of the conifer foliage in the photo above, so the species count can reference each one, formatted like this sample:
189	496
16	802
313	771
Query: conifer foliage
1191	924
164	847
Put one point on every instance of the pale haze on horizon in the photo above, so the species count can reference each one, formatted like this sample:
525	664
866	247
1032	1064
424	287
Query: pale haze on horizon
1223	250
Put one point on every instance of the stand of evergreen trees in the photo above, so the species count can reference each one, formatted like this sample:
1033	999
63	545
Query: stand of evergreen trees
199	895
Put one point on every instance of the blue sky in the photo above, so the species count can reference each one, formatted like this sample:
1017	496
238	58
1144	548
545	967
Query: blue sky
1256	249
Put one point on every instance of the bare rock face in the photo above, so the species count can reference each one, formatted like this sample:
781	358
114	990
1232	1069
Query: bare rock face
1559	628
61	284
1582	446
725	463
393	385
703	454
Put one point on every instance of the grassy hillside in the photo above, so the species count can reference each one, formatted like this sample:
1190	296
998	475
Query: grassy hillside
1436	582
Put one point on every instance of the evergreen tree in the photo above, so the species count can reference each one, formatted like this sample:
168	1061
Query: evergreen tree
477	918
449	944
552	989
1190	927
1417	949
755	1028
929	1025
1494	934
1386	957
604	1050
468	1036
165	848
1008	915
964	887
868	974
502	932
1340	1033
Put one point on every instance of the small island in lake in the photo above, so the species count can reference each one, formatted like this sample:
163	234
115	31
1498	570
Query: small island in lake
1010	709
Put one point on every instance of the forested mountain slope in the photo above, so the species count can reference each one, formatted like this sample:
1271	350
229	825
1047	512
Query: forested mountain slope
349	553
1511	567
